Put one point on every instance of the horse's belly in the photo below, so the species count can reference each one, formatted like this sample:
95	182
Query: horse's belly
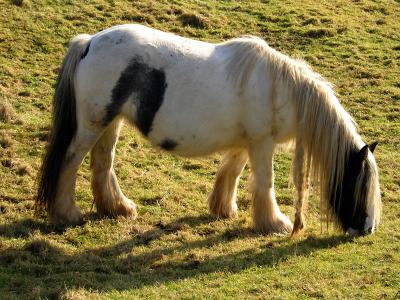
191	134
196	126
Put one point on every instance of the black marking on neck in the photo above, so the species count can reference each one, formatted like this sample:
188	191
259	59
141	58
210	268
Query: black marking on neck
168	144
148	84
86	51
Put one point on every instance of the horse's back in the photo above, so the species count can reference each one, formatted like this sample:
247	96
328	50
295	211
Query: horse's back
157	48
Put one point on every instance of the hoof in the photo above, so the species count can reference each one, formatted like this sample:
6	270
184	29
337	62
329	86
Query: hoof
279	225
126	209
120	208
223	211
298	225
73	217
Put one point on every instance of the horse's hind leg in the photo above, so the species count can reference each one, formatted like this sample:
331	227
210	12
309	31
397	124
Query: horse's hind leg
267	217
107	194
222	201
64	210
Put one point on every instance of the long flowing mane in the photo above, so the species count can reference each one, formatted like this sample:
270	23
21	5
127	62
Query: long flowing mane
325	130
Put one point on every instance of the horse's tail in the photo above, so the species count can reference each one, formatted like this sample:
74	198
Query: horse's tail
64	124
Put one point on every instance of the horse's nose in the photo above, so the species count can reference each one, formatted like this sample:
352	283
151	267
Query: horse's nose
367	231
353	232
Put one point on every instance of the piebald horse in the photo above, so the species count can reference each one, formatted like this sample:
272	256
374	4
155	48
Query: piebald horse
193	98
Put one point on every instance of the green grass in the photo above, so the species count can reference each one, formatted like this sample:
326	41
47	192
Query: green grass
175	249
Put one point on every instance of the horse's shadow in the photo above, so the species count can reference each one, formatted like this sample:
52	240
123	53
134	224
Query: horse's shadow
41	263
26	227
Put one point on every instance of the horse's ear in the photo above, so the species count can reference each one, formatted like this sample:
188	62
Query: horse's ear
363	153
372	146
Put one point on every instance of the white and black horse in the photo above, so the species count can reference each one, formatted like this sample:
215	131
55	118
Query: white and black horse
193	98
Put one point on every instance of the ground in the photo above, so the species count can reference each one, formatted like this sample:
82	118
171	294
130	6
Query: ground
175	249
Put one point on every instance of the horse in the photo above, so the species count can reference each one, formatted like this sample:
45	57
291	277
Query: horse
192	98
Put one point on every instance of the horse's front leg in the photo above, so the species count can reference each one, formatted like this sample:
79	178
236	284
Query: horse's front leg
267	217
222	200
301	181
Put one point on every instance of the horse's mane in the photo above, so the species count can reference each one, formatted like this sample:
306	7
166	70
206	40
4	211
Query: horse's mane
325	130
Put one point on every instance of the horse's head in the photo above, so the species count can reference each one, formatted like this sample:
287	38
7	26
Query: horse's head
357	201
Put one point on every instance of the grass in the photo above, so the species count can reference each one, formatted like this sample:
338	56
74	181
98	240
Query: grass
175	249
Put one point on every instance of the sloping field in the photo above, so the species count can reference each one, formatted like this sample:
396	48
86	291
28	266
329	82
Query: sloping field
175	249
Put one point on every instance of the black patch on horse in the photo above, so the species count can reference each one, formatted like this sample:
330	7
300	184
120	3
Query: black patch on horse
168	144
86	51
344	206
148	84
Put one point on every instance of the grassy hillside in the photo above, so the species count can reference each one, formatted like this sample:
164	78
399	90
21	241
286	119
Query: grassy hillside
175	249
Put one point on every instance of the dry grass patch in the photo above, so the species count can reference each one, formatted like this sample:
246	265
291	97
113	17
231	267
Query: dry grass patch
23	169
6	111
193	20
17	2
5	140
18	167
79	294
